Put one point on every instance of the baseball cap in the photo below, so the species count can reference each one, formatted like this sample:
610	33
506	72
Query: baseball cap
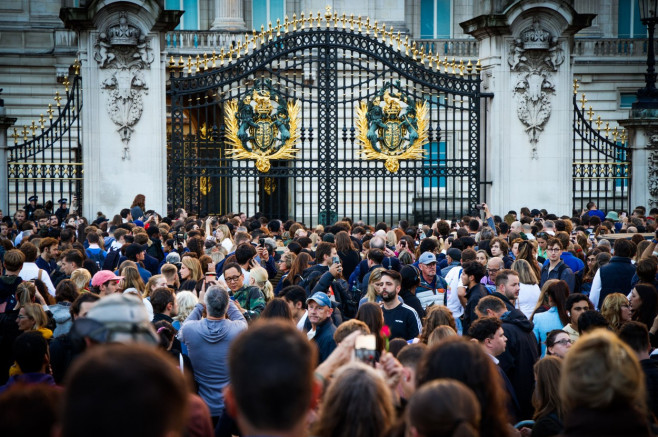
320	298
427	258
119	318
134	249
454	253
102	276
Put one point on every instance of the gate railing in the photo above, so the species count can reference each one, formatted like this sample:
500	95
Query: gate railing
48	162
601	160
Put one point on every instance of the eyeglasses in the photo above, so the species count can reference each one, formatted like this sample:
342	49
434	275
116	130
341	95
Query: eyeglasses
233	278
554	250
493	270
21	316
564	342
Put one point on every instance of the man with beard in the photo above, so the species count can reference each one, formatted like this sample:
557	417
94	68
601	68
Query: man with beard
402	320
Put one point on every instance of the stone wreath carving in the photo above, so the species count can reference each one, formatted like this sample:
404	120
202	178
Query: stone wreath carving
122	52
534	56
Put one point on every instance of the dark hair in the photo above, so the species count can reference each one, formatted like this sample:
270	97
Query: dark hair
73	256
646	270
294	294
30	349
160	298
294	247
503	275
590	320
393	275
298	266
484	327
277	308
166	333
271	372
244	252
624	248
152	392
232	265
344	242
447	360
92	237
575	298
376	255
66	291
410	356
475	269
647	311
444	407
323	250
553	241
371	314
558	291
82	298
636	335
552	335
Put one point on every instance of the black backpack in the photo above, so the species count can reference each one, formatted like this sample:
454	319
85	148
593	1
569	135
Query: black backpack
111	261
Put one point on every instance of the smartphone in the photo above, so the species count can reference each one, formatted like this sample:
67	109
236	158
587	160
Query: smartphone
365	349
336	260
261	242
403	243
420	226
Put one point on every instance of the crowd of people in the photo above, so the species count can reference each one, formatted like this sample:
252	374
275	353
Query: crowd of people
144	325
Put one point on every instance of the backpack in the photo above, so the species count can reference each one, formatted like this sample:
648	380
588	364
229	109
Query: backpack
97	257
578	277
111	261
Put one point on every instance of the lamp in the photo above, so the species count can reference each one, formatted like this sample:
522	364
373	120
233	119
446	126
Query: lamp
647	97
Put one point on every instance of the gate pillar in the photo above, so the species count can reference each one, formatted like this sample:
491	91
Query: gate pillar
124	104
643	141
5	123
525	51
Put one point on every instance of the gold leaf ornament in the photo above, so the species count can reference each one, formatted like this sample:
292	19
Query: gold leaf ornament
261	157
392	159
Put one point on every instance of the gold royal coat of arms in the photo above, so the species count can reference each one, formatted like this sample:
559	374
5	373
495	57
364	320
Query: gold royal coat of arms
262	126
392	127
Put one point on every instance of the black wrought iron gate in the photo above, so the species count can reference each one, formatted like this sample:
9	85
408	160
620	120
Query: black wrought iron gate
334	68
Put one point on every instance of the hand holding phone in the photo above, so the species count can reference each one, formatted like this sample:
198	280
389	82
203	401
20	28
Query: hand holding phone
365	349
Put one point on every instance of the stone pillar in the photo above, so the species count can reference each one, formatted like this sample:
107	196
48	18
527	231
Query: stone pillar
229	15
525	50
124	102
5	124
643	141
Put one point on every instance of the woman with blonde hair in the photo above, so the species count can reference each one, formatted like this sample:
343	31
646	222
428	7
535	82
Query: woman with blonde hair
32	317
131	279
186	301
259	278
155	281
616	310
437	315
482	257
224	237
549	409
439	334
603	389
190	273
374	287
391	239
357	403
81	278
529	290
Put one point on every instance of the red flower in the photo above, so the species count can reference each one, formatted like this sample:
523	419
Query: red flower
385	332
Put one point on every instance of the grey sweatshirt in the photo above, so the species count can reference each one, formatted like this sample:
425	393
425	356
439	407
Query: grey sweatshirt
208	343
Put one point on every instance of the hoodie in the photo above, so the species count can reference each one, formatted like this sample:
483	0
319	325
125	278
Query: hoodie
62	315
208	343
519	357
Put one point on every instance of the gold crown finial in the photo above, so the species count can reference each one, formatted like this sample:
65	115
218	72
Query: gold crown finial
327	14
583	100
590	113
58	98
575	86
50	111
42	122
15	135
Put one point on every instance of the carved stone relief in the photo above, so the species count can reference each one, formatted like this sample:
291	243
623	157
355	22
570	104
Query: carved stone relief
653	168
533	57
122	53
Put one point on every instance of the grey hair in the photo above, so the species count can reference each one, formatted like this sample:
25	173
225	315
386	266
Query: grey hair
216	301
377	243
486	233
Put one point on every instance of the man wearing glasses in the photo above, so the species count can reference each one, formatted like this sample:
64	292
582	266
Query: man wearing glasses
494	265
556	268
249	299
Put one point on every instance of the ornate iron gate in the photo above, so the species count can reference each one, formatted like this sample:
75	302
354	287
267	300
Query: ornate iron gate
601	161
336	70
49	164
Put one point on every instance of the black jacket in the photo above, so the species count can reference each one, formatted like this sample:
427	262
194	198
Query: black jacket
519	358
473	296
324	338
155	249
410	299
650	368
616	277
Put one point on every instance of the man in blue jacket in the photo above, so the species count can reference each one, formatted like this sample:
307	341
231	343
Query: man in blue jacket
322	328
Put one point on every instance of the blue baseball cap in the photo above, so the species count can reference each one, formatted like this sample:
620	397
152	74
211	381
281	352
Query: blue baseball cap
427	258
320	298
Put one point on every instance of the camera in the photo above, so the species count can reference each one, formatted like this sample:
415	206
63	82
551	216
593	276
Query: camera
479	206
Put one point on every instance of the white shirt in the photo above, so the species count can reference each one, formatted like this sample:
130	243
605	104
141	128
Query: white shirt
528	297
453	278
302	321
31	271
595	291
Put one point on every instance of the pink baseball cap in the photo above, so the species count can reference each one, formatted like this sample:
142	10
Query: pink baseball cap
103	276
